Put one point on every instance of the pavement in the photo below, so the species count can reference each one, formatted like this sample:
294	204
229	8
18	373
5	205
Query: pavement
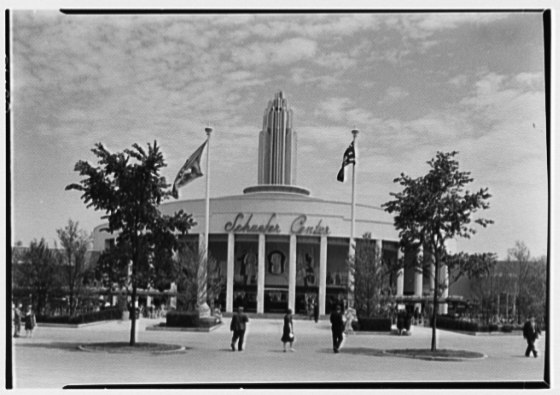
51	359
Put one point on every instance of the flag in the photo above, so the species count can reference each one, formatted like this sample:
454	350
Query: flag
349	158
189	171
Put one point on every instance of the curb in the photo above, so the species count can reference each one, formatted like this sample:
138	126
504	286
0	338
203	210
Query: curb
56	325
180	329
428	358
177	350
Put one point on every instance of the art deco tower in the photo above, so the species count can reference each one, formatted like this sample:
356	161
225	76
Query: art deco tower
277	144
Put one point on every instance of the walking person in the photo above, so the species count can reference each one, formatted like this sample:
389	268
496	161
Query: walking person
238	326
30	322
288	331
17	320
531	333
350	316
337	328
316	311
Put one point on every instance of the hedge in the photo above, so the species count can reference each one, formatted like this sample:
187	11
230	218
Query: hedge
111	313
188	319
469	326
372	324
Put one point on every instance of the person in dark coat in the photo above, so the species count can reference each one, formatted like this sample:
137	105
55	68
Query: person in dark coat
238	327
531	332
401	315
288	331
337	328
30	322
316	311
17	320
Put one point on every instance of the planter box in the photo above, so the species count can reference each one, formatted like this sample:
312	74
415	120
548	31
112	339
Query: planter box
372	324
184	319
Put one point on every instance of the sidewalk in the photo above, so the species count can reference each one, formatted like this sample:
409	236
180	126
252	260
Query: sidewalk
51	358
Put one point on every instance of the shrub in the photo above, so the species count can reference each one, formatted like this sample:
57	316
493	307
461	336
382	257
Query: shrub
111	313
453	324
507	328
372	324
187	319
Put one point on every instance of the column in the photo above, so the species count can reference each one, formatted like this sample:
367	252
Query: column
260	275
418	284
230	272
444	278
322	275
292	271
432	277
418	281
400	275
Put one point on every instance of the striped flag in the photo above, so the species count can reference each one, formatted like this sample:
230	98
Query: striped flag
189	171
349	158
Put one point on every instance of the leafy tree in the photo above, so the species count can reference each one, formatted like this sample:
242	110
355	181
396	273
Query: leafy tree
75	243
128	187
370	276
435	208
472	266
36	270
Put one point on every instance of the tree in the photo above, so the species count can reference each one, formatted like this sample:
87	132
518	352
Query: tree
75	243
519	258
481	270
528	282
370	276
435	208
36	270
532	295
128	187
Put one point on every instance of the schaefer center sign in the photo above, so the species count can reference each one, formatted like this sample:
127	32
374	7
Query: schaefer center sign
273	224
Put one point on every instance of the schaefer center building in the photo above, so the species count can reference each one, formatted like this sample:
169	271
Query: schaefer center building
276	244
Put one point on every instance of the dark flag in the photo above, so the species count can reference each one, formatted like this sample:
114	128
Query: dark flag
349	158
189	171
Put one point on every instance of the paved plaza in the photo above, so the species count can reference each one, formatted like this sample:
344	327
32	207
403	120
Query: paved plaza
51	358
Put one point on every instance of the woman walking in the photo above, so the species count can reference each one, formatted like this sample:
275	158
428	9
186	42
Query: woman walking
288	331
30	322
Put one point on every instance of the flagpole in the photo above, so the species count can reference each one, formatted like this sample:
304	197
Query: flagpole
353	215
204	310
208	131
352	247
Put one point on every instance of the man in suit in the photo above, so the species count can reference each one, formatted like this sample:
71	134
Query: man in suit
531	333
337	328
238	327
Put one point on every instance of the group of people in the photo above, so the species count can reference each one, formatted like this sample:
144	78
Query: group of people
28	319
339	326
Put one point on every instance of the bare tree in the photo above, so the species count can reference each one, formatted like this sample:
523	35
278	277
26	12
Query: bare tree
75	243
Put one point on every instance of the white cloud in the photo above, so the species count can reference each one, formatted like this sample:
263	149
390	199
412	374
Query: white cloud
393	94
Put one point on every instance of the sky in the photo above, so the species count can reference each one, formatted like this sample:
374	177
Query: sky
413	83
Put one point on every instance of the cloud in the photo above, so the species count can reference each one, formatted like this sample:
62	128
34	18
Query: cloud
393	94
270	53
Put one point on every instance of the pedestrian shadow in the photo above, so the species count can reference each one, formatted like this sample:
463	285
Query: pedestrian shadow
370	352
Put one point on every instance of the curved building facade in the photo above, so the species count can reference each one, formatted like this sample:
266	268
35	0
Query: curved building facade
278	246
